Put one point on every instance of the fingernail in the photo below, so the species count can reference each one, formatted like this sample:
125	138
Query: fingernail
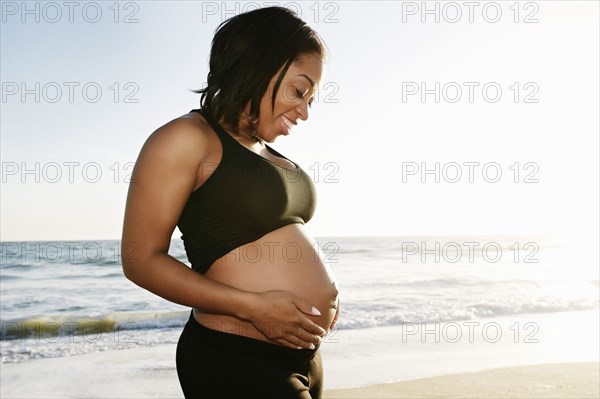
316	311
300	347
312	346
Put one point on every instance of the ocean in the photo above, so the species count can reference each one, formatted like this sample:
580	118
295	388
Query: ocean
63	298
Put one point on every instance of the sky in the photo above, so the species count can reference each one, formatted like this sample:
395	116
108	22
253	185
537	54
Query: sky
432	118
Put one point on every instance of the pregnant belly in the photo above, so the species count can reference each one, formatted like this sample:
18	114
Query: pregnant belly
284	259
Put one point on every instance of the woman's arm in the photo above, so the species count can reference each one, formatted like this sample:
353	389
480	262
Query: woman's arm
162	181
163	178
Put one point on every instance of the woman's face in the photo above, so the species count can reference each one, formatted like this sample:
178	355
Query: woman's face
294	96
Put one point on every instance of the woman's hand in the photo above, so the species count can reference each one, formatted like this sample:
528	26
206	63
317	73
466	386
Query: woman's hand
280	316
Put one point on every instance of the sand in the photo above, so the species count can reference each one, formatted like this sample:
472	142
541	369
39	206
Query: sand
562	380
361	363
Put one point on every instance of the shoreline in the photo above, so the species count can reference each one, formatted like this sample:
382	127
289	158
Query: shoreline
555	380
380	361
357	358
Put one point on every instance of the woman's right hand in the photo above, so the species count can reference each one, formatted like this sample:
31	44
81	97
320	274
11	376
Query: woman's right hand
280	316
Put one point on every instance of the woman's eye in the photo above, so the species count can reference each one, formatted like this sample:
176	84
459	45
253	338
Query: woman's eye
300	95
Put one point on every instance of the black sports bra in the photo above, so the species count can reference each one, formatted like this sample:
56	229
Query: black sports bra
245	197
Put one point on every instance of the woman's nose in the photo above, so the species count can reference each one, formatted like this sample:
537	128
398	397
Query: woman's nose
302	111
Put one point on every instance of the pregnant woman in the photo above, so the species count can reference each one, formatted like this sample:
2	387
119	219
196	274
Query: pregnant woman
262	297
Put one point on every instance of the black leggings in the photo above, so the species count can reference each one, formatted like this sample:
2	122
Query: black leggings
216	364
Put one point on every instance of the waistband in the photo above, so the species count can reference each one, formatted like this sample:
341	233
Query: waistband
247	345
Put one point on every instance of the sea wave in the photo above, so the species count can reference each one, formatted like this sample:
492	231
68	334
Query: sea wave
353	315
62	324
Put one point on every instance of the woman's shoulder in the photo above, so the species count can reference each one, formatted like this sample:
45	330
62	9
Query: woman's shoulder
192	126
186	135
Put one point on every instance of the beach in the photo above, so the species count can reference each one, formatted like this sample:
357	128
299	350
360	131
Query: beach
408	327
561	380
559	359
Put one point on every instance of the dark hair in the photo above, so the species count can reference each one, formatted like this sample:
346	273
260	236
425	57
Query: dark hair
246	52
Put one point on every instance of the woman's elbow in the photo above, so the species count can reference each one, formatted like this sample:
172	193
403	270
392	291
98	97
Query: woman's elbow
130	259
129	270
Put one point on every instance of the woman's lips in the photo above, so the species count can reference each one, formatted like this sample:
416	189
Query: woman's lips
286	125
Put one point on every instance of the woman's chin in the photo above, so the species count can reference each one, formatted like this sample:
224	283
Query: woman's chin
271	139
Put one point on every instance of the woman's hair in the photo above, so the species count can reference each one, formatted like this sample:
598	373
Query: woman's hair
246	52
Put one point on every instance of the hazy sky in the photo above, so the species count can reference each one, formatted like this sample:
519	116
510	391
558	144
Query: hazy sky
517	94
